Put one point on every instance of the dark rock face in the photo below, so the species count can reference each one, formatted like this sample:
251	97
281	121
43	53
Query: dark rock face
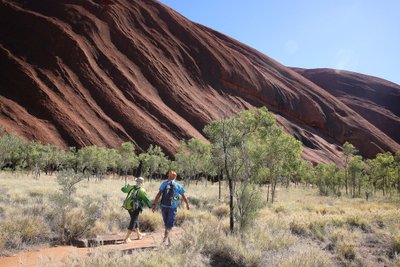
377	100
80	72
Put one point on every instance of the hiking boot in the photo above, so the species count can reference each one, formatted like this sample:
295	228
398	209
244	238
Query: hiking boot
169	242
141	236
164	242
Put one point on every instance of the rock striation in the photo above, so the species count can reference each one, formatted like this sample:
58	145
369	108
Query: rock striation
81	72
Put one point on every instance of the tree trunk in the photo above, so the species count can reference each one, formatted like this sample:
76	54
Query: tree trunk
398	186
219	188
383	187
268	192
231	219
273	191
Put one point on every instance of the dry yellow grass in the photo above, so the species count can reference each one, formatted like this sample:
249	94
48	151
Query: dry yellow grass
300	229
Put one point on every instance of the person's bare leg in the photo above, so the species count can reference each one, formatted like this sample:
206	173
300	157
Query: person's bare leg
139	234
126	239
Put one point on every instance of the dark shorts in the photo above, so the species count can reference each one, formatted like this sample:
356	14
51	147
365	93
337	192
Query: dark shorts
169	215
134	223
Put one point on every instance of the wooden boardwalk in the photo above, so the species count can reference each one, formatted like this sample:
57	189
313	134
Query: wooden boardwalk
101	244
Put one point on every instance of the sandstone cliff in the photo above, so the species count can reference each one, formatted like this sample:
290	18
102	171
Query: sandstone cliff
80	72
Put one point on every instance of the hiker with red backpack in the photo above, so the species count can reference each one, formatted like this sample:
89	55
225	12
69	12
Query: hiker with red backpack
169	193
133	203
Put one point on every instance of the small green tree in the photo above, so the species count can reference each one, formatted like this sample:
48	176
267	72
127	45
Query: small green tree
153	161
397	171
63	201
381	171
229	138
348	152
11	150
193	158
328	177
127	160
356	168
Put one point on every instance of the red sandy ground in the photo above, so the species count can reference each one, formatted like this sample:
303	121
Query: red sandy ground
59	255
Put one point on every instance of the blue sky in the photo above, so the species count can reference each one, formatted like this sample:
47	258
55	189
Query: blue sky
356	35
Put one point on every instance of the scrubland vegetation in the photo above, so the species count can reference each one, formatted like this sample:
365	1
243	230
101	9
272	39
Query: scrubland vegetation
301	228
255	202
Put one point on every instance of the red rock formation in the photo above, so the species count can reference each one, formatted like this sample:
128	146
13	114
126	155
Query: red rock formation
78	72
375	99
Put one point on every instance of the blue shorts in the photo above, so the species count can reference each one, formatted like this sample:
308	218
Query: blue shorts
169	215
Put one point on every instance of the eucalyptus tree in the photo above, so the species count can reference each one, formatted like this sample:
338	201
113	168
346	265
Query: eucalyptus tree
153	161
356	170
348	152
127	160
381	170
397	171
230	138
193	158
328	178
36	156
11	150
93	159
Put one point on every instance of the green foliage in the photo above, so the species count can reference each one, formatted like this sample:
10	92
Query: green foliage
11	150
65	216
23	229
328	178
194	157
251	148
382	172
248	202
153	161
126	158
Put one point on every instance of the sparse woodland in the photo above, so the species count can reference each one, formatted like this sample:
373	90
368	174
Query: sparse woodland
255	201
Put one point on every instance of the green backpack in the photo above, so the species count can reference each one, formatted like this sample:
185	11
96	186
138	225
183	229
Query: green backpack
131	201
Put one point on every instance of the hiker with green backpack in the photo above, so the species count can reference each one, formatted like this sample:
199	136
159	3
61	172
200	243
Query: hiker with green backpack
133	203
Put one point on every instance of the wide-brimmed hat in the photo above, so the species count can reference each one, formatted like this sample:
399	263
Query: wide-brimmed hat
139	180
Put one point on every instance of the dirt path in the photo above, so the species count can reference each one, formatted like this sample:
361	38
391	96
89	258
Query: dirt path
59	255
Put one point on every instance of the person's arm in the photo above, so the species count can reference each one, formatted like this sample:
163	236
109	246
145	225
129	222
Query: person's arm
186	201
126	188
156	201
143	197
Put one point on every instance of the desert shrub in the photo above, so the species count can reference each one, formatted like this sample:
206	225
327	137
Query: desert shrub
2	210
149	221
395	245
20	230
195	202
317	229
32	193
248	202
145	258
65	214
308	258
338	221
346	250
194	216
40	210
357	221
298	227
2	244
115	218
280	209
78	222
221	211
230	251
